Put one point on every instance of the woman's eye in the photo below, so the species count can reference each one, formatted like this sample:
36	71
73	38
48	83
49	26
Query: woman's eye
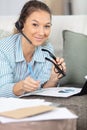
35	25
47	26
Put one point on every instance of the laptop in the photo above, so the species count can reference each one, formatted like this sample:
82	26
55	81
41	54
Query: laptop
83	90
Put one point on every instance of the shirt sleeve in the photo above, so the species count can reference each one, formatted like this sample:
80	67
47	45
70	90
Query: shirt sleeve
6	77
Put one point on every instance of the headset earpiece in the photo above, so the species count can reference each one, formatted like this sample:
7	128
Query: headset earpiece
19	25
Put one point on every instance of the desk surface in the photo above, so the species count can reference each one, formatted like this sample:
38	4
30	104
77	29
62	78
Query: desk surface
41	125
76	104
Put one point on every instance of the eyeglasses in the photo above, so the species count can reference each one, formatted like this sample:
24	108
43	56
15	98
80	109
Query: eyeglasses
58	67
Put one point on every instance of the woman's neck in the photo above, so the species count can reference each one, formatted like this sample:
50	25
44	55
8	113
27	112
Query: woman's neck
28	51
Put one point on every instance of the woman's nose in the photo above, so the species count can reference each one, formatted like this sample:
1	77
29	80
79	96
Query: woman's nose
41	31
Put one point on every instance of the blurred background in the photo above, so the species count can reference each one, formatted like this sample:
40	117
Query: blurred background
58	7
67	7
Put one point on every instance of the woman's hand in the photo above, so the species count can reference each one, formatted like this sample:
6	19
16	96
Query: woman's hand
62	65
27	85
56	76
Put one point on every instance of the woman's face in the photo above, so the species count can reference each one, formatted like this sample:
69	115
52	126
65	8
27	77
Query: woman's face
37	27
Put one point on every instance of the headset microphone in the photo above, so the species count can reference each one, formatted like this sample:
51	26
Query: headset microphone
17	25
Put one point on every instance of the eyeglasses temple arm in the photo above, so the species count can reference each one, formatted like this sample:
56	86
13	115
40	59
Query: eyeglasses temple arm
50	53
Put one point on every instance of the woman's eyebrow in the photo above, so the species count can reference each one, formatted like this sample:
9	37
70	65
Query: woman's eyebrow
45	23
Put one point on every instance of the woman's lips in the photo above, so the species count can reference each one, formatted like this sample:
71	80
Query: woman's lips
38	39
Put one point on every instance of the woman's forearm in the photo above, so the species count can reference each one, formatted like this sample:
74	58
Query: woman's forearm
50	83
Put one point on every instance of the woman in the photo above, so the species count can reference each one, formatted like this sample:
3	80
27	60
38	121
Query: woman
22	61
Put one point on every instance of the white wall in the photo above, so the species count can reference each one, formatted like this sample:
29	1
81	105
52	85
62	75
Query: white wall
79	6
11	7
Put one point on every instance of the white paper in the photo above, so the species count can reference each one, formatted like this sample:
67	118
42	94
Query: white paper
55	92
58	114
15	103
7	104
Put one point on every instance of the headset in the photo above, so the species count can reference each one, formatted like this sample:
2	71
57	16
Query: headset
19	26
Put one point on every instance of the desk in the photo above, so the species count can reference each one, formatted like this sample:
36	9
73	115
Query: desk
41	125
59	124
77	104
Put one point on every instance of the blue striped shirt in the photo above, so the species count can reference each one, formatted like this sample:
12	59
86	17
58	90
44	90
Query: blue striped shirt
14	68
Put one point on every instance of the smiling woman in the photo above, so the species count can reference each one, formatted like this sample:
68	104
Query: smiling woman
23	50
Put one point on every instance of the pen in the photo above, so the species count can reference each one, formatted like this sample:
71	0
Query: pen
30	70
32	73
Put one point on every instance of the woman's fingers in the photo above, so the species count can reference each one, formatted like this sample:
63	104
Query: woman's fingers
29	84
61	63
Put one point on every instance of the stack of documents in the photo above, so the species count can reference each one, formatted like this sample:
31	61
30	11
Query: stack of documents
16	110
55	92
